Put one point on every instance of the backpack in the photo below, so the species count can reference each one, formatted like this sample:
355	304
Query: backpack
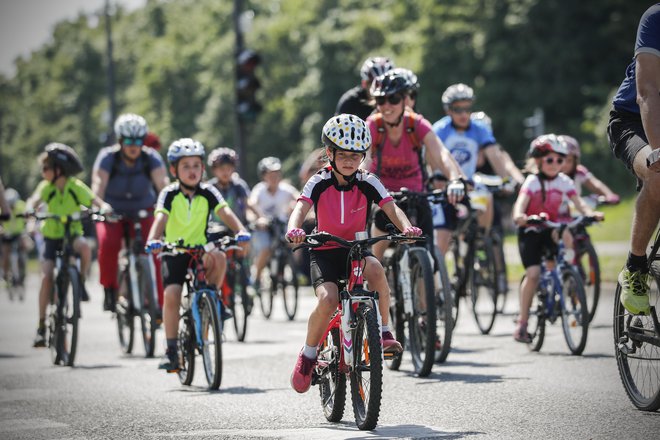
410	122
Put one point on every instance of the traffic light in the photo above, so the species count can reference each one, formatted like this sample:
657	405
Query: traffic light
247	85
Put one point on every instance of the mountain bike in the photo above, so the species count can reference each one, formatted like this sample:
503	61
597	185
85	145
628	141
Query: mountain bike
420	316
560	293
235	289
200	327
280	275
64	303
637	342
352	343
137	293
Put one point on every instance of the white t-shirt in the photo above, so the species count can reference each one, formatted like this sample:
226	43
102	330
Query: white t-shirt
275	205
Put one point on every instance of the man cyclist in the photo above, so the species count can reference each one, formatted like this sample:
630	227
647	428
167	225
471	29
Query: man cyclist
634	134
127	176
357	101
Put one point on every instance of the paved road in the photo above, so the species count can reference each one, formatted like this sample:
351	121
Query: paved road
491	387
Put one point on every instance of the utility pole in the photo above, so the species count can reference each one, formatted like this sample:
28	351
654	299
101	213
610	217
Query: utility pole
110	74
239	136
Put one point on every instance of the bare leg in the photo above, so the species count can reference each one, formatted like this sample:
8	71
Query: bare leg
171	310
647	208
328	298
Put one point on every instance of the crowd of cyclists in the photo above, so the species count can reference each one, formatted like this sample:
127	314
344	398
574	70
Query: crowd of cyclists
375	144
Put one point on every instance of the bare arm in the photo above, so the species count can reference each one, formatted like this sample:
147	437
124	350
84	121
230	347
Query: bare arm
229	218
509	166
519	208
158	227
397	216
494	157
584	209
100	182
595	185
298	215
159	178
648	97
439	157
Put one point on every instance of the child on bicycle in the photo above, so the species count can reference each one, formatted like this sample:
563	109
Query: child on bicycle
541	194
63	195
341	194
182	214
12	232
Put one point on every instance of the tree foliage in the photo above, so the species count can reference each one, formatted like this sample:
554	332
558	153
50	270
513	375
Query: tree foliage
174	63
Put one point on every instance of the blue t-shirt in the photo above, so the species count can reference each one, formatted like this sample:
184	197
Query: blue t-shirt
130	189
464	146
648	41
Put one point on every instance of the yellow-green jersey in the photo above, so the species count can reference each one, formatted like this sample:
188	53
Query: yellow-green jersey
188	217
66	202
15	225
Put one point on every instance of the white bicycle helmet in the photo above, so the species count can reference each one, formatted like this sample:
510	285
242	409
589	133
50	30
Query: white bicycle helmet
408	75
11	196
545	144
269	163
483	118
130	125
572	144
457	92
184	147
346	132
375	66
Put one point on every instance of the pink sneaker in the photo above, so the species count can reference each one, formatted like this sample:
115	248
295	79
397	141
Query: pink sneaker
301	378
390	344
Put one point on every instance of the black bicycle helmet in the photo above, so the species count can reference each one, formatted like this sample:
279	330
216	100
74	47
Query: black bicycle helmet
389	84
65	158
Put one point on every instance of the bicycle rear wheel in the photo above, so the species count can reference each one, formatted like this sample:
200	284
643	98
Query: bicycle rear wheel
266	292
444	317
149	308
589	268
639	361
455	271
186	347
332	381
211	339
240	300
367	372
536	320
124	313
70	314
574	311
483	285
422	323
288	285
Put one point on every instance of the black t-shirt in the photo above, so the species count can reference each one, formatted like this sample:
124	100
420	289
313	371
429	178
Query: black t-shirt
355	102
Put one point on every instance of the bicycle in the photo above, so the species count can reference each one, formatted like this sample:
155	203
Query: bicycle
200	326
352	344
137	293
234	290
560	293
280	275
420	316
15	278
637	342
64	303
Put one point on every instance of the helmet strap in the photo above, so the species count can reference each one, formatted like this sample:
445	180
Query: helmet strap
398	121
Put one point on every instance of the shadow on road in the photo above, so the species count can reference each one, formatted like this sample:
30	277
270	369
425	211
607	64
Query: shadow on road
200	390
462	377
399	431
9	356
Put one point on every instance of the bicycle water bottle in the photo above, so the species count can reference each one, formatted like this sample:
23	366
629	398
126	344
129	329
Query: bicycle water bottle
404	282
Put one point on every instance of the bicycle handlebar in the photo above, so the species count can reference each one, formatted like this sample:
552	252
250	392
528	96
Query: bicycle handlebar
537	220
320	238
434	196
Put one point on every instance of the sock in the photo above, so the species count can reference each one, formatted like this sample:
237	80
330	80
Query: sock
385	328
637	263
309	351
171	345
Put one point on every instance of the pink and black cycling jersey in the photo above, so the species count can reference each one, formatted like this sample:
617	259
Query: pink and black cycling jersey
343	210
548	198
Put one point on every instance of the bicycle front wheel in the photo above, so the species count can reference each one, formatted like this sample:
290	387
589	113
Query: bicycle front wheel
639	360
483	285
332	381
240	300
266	292
574	311
149	308
288	286
444	317
367	372
211	335
186	346
422	323
67	321
589	268
536	320
124	313
397	323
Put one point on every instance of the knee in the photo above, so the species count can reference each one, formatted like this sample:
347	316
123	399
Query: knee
327	303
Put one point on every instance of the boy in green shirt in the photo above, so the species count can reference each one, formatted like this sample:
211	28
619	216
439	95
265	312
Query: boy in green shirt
182	213
63	195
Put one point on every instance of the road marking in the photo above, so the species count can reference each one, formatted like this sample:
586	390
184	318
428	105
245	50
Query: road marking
29	424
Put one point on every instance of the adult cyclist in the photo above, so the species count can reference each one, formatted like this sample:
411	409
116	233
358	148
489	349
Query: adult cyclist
128	176
357	100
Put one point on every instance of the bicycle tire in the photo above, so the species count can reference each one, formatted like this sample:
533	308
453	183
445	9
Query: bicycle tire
211	339
575	311
124	313
397	322
240	299
70	317
590	276
498	252
267	289
332	381
637	363
149	308
444	317
53	330
288	285
482	278
455	271
366	392
536	320
186	347
422	323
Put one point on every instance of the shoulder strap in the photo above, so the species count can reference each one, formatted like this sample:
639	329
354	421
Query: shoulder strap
146	169
411	121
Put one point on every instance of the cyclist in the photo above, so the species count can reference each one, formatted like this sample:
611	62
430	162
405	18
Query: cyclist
341	195
634	133
63	194
128	176
234	190
13	231
357	101
270	199
403	144
541	194
413	85
182	215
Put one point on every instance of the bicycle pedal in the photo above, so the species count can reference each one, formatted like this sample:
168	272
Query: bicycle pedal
391	355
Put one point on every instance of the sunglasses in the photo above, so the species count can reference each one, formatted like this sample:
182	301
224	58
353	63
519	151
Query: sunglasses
460	110
551	160
393	99
137	142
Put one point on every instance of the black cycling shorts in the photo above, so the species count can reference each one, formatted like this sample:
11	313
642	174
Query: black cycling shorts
533	245
626	134
174	269
52	246
329	266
